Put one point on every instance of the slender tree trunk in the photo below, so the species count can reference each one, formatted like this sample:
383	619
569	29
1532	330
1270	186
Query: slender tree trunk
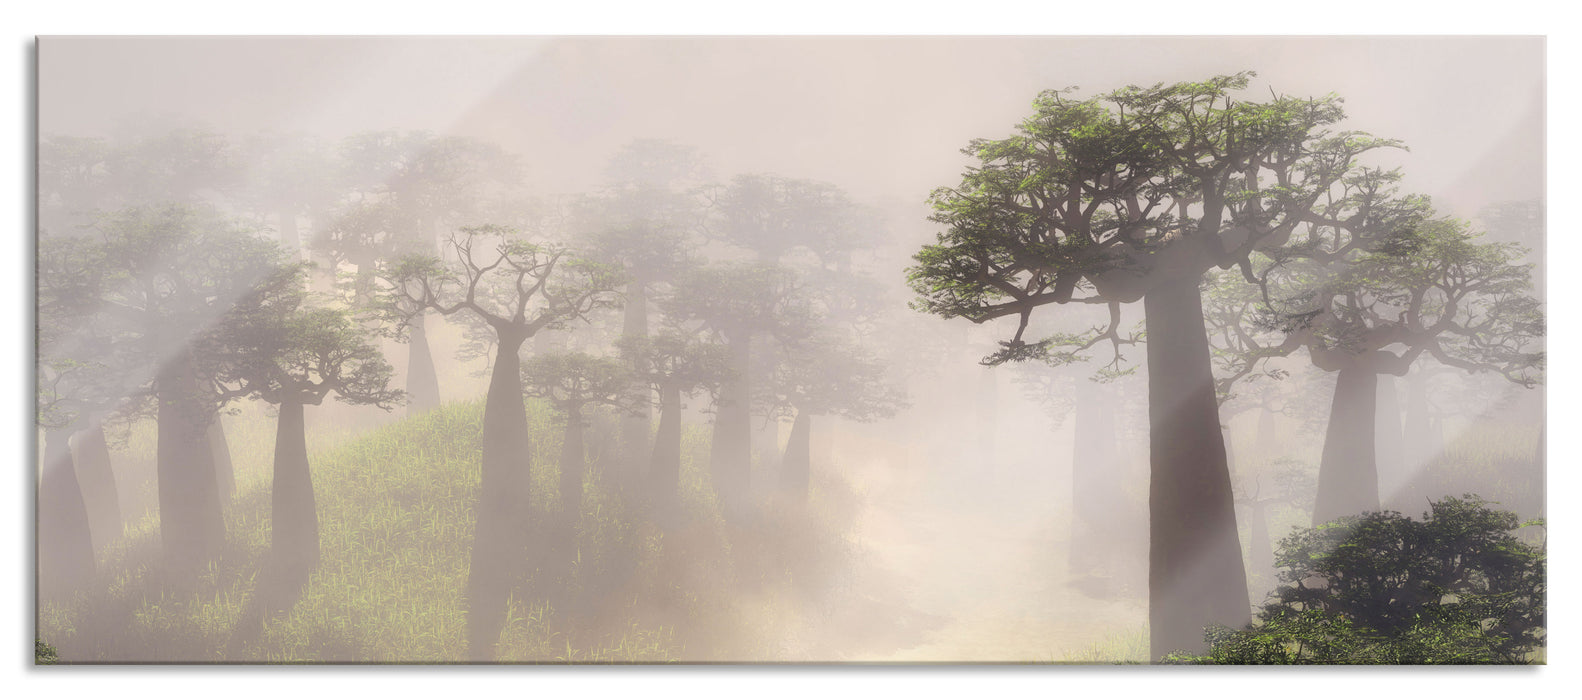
99	491
634	428
1094	475
1267	444
796	466
422	382
191	526
664	474
573	468
1389	451
65	545
730	454
224	470
294	516
1348	478
502	504
1195	572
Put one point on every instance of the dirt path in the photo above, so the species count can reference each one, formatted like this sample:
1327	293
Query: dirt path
983	558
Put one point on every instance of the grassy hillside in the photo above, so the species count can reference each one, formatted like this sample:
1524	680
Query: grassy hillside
395	507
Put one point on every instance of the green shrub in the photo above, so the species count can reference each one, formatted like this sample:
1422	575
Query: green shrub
1457	587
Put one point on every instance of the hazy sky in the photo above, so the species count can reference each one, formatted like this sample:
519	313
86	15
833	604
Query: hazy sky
883	117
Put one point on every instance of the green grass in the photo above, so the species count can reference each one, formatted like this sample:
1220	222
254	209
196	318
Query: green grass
396	519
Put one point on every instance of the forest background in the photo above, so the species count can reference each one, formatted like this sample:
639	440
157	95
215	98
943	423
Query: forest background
1462	89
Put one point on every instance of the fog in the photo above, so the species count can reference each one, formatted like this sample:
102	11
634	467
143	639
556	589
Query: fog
817	468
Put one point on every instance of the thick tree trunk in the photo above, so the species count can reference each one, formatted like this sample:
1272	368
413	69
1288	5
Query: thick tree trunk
1195	572
99	491
293	514
1389	452
504	492
634	428
191	526
796	466
220	451
573	468
422	382
730	453
1348	478
1095	475
664	472
65	546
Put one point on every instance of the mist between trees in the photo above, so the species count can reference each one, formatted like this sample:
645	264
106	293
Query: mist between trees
691	417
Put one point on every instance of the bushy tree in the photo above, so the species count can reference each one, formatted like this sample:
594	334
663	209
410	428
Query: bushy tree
1130	196
276	348
675	365
574	382
1457	586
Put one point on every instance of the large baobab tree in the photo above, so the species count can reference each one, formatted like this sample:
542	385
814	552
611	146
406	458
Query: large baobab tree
1133	196
517	288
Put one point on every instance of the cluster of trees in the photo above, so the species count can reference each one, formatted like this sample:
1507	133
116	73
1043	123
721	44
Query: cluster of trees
1149	193
176	277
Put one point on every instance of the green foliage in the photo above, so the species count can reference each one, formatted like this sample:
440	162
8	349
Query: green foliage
43	654
1091	198
1456	587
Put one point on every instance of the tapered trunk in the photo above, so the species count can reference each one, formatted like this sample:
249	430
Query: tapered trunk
664	472
65	546
1348	478
191	526
573	468
220	451
635	427
99	491
1195	572
730	453
765	435
503	494
796	466
1389	451
422	383
293	514
1267	444
1094	481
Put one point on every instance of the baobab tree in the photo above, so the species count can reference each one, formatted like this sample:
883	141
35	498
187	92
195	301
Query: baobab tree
572	382
171	275
1132	196
674	365
1428	287
733	304
823	375
517	288
281	351
645	220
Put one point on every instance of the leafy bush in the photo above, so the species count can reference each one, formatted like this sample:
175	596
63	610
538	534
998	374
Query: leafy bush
1457	587
43	654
